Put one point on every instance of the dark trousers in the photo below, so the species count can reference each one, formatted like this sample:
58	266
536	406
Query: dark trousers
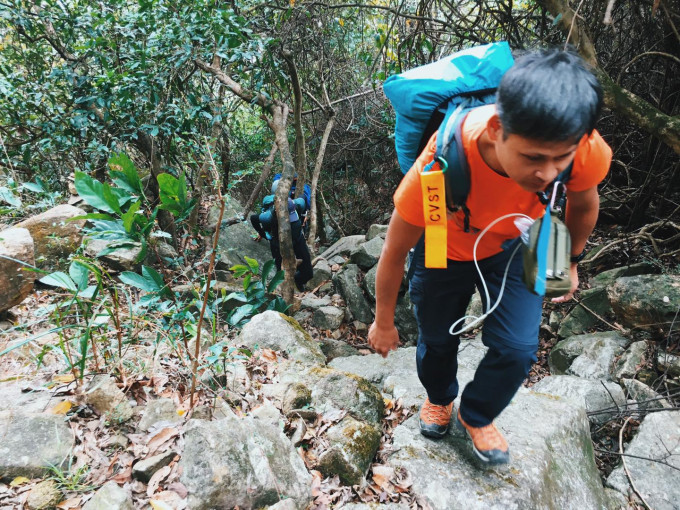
304	271
441	297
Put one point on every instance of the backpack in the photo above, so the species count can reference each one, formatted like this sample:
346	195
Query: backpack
307	194
437	97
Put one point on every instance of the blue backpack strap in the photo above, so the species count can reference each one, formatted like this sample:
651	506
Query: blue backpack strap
450	148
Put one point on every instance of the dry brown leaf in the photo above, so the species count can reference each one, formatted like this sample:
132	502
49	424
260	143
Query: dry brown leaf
70	503
382	476
179	488
62	407
19	480
156	480
63	379
655	6
164	436
269	355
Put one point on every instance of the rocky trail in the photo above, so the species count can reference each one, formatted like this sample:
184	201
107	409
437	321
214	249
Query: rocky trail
296	412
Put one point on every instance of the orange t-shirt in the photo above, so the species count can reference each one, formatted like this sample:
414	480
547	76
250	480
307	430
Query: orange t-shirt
492	195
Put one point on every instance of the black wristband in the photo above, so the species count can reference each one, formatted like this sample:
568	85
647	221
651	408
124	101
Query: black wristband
574	259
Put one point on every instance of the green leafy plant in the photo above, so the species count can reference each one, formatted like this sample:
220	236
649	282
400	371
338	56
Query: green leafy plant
257	289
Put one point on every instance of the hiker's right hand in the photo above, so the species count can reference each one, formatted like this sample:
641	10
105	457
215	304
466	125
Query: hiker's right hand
383	340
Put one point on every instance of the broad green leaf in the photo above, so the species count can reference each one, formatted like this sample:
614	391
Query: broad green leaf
153	275
276	281
79	274
246	280
59	279
111	198
253	264
7	196
92	191
267	268
124	174
138	281
35	187
129	216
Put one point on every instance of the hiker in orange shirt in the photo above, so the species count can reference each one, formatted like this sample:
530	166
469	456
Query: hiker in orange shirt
543	121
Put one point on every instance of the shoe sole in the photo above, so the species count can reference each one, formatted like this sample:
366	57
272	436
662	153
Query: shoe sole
432	433
486	460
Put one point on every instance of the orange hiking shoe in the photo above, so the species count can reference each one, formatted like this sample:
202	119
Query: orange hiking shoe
434	419
487	442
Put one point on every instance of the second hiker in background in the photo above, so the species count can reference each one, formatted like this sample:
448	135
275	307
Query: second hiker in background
267	227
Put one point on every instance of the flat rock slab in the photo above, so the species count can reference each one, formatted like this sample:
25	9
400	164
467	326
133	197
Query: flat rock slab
552	463
241	462
31	444
657	438
396	375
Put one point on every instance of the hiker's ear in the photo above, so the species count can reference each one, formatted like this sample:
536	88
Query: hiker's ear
494	128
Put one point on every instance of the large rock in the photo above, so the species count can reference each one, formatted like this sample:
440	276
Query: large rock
606	278
322	273
31	444
16	283
54	235
657	438
343	247
405	320
593	394
328	317
122	259
236	240
366	255
645	396
106	397
376	230
566	351
353	445
110	497
580	320
162	410
597	359
552	463
646	299
241	462
347	282
274	330
333	391
628	365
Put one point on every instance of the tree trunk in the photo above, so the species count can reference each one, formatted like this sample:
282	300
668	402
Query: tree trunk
277	123
300	146
315	181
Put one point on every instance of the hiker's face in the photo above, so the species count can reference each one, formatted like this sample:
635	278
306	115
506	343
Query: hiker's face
533	164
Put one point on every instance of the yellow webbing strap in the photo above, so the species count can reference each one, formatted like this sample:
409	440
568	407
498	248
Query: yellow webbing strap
433	188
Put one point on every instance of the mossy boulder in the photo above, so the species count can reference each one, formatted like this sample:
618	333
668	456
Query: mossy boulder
646	299
333	390
353	445
580	319
54	235
606	278
276	331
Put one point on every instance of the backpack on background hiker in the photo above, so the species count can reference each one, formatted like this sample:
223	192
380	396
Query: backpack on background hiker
437	97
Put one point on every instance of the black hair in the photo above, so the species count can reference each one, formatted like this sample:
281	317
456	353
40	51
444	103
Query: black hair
549	95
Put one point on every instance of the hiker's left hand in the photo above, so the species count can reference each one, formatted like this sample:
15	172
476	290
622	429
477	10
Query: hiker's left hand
574	285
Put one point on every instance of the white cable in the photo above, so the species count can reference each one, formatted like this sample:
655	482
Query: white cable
477	320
